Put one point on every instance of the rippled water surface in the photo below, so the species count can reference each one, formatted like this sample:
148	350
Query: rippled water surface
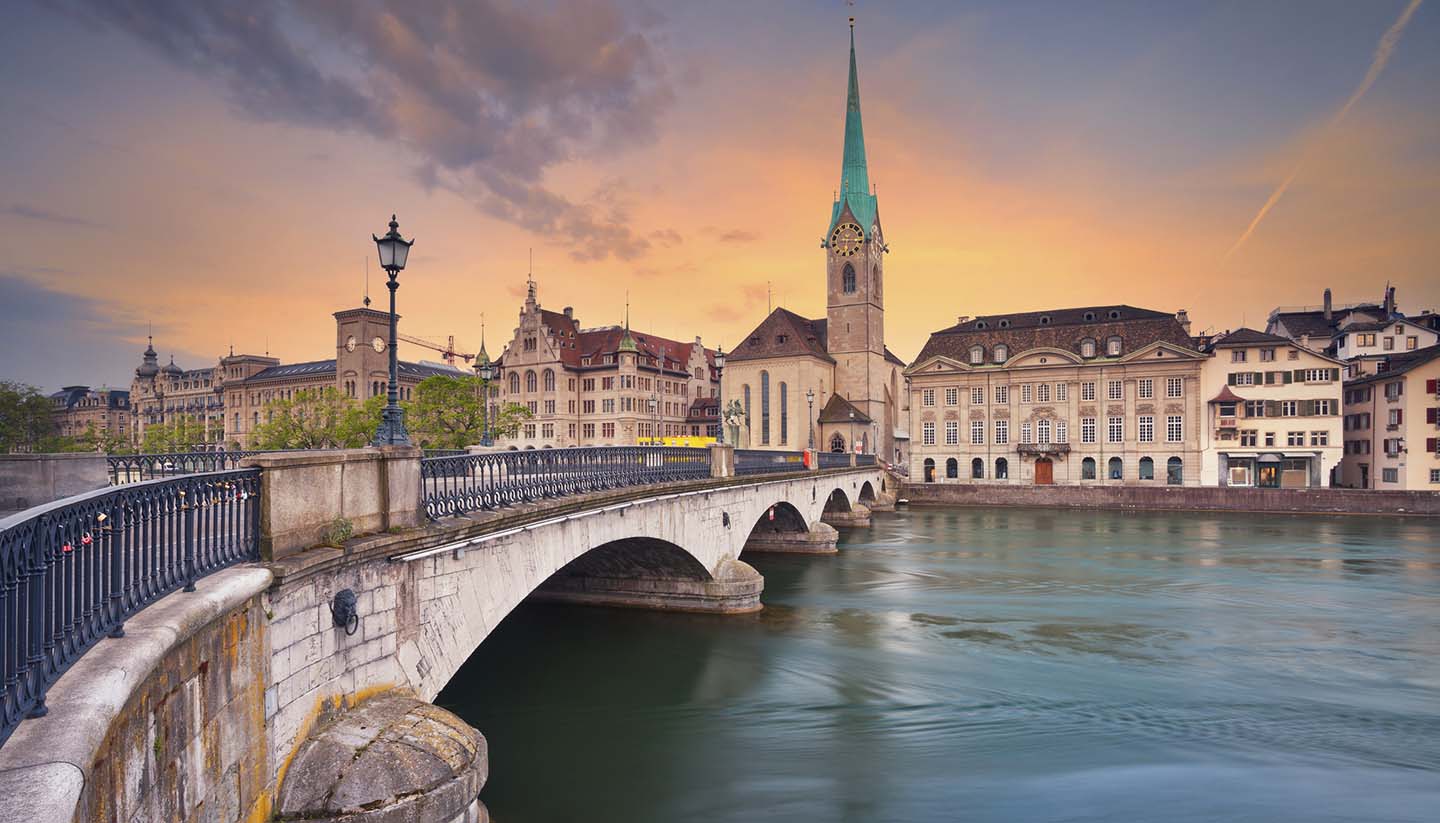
1020	664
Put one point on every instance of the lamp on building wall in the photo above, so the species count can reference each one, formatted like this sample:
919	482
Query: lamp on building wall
810	420
720	395
394	251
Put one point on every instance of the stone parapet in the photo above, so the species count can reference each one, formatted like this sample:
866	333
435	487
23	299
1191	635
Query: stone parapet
302	493
28	480
820	539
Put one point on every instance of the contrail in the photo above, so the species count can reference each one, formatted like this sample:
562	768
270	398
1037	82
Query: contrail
1377	64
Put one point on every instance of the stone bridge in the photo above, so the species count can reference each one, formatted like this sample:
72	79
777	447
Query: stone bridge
249	700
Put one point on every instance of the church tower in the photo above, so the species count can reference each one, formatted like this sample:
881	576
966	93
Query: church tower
855	276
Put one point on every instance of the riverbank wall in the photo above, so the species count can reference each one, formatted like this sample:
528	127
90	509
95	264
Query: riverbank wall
1178	498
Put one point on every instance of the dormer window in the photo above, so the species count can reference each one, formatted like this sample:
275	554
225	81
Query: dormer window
1004	324
1002	353
1112	347
1044	319
754	341
977	355
1087	347
1089	316
1114	315
981	324
781	338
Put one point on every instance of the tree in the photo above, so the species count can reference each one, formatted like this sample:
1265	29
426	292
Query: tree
318	419
180	434
448	413
26	424
94	440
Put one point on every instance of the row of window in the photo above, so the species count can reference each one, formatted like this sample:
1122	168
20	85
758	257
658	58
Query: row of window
1253	437
1060	392
1046	431
1114	469
1282	378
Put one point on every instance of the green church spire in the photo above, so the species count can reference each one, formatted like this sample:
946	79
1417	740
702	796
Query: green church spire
854	173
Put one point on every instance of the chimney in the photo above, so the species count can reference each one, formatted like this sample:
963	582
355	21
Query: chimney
1305	341
570	312
1329	309
1389	302
961	319
1183	318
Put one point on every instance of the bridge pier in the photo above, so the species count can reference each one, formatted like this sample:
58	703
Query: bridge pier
821	538
857	517
734	588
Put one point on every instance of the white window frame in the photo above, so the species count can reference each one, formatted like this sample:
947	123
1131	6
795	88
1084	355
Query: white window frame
952	396
1062	392
1174	428
1042	393
1062	432
1115	390
1087	430
977	396
1174	387
977	432
952	432
1002	432
927	433
1146	389
1087	390
1145	428
1114	430
1026	392
927	397
1002	395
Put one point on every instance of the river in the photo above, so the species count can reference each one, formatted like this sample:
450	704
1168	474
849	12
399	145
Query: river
984	664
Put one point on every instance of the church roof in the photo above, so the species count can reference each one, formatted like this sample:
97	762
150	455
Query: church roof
784	334
838	409
854	172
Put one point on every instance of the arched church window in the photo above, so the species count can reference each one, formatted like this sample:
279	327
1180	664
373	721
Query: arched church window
764	408
529	381
514	382
875	280
549	380
848	279
837	443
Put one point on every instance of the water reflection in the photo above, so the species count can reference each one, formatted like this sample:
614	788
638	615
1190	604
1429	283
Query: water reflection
995	665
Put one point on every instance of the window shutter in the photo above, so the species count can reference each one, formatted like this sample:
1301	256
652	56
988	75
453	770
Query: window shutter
1430	444
1399	415
1269	378
1296	376
1431	415
1259	378
1307	408
1430	386
1230	378
1272	408
1334	374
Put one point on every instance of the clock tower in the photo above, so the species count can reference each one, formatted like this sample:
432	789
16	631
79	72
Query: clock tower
855	280
362	357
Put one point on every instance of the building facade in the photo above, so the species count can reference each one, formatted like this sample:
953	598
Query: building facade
604	386
227	402
840	360
1392	424
1105	394
80	410
1273	413
1362	344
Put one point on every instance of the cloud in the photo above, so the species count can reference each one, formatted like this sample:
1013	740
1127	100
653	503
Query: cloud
738	236
55	339
44	216
488	94
667	238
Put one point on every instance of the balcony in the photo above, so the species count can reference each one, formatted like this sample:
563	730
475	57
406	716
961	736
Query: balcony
1228	423
1042	449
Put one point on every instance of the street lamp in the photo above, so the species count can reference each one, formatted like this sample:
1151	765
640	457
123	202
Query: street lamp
852	431
486	370
720	395
394	250
810	420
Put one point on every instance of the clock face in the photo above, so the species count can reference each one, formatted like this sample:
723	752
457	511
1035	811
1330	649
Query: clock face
350	343
846	239
378	343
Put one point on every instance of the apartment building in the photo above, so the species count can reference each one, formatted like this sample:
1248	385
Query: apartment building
81	410
1392	424
1273	413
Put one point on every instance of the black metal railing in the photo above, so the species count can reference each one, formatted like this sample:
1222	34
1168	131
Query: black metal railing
130	468
471	482
72	571
834	460
766	461
864	459
443	452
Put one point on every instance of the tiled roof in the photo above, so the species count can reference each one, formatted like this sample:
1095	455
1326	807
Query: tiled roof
703	409
1057	329
288	370
1399	364
837	410
784	334
1227	396
1247	337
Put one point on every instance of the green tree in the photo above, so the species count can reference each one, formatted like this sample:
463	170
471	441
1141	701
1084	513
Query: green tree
104	442
448	413
318	419
26	424
179	434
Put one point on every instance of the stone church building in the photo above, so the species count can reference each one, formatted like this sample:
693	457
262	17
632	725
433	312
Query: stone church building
856	382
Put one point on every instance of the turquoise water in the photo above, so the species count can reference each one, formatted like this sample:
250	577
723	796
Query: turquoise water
1019	664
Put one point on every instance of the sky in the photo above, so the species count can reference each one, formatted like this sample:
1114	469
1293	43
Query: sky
213	171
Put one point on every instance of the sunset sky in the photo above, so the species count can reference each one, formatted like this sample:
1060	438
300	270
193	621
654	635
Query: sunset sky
216	169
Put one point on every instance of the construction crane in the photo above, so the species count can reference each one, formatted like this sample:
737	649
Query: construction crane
447	351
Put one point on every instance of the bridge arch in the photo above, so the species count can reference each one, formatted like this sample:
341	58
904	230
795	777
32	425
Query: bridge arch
867	492
837	501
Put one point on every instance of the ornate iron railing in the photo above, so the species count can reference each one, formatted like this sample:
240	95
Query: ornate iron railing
129	468
72	571
834	460
443	452
766	461
471	482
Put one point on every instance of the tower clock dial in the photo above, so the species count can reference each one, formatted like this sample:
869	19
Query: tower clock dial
378	343
350	343
846	239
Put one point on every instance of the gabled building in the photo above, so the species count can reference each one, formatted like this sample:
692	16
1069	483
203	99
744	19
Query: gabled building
1392	424
776	370
1273	412
1362	344
1100	394
605	386
80	410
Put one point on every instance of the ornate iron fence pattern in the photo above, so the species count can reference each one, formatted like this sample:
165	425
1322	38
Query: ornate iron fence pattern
471	482
766	461
444	452
72	571
834	460
129	468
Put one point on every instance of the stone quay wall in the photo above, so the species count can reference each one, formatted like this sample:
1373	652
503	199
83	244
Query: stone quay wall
1178	498
28	480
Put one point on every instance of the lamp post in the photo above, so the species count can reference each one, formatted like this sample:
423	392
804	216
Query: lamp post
810	420
852	431
393	252
720	394
486	370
